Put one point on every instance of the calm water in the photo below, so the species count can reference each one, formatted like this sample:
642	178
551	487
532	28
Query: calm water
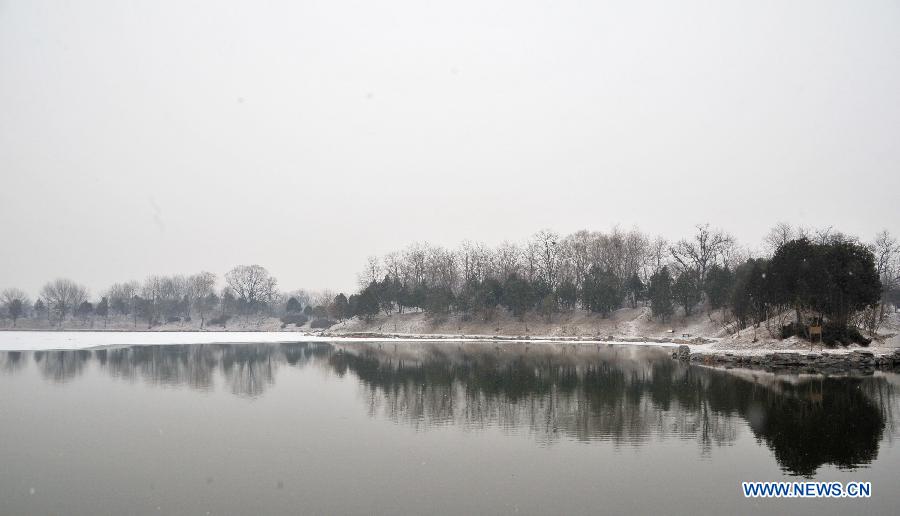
424	428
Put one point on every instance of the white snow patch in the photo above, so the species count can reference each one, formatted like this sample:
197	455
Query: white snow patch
63	340
42	340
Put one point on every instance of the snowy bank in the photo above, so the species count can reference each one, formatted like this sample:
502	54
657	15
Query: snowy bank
42	340
62	340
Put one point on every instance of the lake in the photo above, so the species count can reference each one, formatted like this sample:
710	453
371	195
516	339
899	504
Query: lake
416	428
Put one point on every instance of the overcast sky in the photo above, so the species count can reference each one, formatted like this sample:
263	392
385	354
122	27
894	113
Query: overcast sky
175	136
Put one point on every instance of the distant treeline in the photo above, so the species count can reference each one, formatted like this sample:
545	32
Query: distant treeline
802	277
816	277
249	291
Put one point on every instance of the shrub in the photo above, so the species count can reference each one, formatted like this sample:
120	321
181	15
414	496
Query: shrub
322	323
833	334
219	321
788	331
297	319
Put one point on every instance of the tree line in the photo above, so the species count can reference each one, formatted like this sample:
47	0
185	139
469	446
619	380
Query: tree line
800	276
249	290
821	277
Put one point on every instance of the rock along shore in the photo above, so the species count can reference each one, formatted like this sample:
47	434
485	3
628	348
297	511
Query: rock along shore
826	363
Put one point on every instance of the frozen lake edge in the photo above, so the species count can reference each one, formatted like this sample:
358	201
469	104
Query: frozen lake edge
35	340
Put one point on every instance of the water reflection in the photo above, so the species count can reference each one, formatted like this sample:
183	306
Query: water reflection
625	395
61	366
11	361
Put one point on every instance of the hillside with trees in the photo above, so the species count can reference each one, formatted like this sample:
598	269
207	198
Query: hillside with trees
571	284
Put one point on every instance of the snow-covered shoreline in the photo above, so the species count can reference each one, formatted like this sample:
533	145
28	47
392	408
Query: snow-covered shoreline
704	332
35	340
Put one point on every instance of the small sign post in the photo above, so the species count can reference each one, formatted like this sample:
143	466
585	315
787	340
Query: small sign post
814	330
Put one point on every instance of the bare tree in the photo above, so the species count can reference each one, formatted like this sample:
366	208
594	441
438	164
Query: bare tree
823	235
303	297
578	250
658	256
152	292
371	274
887	262
63	295
707	248
779	235
323	298
473	260
174	297
636	253
393	265
531	260
440	267
546	245
414	263
506	260
121	296
252	284
14	302
202	286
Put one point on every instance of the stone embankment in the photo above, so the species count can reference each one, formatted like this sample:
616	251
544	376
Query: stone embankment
827	363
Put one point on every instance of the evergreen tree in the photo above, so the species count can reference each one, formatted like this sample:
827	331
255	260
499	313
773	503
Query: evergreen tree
103	309
796	275
634	289
464	301
518	296
718	286
293	306
549	306
567	294
417	296
601	291
836	279
367	304
353	305
660	293
686	290
387	292
84	310
486	296
338	308
40	309
853	283
439	300
749	295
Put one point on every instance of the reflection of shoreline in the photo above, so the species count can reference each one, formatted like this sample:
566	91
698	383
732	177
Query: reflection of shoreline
807	422
625	395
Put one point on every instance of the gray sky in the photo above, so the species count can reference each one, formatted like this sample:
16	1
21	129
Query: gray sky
175	136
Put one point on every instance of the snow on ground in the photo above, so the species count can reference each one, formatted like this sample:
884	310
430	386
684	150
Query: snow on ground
64	340
40	340
124	323
622	323
624	326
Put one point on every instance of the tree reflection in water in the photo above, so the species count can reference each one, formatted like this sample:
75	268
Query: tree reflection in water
61	366
625	395
11	361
